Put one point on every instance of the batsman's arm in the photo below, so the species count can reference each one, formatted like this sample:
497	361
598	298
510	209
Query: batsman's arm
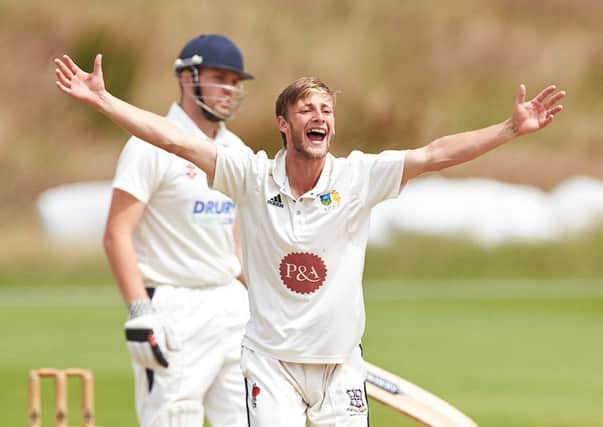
89	88
146	336
124	215
527	117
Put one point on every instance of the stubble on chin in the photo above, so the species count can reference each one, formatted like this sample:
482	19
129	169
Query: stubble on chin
310	154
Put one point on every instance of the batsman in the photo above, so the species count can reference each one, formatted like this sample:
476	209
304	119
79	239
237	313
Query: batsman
304	222
172	245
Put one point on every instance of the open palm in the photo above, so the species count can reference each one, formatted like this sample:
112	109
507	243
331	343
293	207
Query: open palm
85	87
529	116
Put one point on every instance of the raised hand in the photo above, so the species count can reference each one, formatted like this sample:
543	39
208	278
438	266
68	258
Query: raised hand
537	113
88	88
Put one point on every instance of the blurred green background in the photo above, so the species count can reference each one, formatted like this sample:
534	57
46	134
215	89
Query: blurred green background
509	334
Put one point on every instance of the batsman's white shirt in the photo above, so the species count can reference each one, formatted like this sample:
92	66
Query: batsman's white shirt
304	258
185	236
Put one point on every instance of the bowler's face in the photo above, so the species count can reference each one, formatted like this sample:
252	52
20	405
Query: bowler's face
309	125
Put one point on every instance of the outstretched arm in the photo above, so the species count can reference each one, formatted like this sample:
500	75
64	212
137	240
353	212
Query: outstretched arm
528	116
89	88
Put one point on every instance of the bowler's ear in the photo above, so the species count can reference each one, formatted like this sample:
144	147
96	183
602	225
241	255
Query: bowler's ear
282	124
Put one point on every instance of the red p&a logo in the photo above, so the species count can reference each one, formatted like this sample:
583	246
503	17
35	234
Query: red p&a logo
303	272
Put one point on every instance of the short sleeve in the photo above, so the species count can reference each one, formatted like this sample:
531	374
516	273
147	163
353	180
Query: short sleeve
233	167
380	175
140	169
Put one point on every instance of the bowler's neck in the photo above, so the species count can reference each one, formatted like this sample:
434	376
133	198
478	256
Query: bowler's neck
303	174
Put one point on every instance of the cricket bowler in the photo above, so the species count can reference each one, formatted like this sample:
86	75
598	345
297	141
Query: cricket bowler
304	223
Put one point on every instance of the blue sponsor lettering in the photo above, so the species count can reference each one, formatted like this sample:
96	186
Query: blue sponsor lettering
213	207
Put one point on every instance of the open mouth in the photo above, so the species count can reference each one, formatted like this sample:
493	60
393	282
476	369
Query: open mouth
316	134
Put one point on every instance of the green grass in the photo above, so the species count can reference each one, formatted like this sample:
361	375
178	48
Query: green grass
46	266
37	263
427	257
504	354
78	327
507	352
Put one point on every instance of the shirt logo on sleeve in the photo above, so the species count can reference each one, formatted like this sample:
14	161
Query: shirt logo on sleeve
276	201
303	272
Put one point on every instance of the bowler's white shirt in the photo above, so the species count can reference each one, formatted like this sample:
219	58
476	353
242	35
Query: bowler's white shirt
304	258
184	237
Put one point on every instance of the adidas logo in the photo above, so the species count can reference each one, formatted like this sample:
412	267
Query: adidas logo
276	201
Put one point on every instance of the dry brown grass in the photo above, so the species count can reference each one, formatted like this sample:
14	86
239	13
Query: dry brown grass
409	72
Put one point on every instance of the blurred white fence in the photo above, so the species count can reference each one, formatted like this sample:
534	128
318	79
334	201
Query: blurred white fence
488	211
75	213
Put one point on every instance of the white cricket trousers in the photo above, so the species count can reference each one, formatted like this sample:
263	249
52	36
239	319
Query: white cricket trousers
204	376
285	394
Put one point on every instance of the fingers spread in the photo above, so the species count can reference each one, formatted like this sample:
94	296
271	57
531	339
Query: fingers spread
521	97
66	71
98	60
64	80
545	92
69	63
554	99
551	112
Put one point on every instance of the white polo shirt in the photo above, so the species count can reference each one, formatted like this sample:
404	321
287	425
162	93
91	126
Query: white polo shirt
304	258
184	237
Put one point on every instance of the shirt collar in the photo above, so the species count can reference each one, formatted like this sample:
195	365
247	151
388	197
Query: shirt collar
280	175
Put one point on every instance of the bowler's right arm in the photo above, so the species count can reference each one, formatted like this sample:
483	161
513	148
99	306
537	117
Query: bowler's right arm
89	88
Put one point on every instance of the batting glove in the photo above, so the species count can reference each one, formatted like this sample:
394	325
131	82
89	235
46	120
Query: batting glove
145	336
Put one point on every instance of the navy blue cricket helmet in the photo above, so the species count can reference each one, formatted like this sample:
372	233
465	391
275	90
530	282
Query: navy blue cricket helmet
212	50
